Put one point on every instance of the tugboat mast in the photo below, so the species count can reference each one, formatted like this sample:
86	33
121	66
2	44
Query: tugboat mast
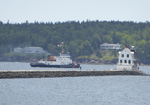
61	45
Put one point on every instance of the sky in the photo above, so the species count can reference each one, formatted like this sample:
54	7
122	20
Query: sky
20	11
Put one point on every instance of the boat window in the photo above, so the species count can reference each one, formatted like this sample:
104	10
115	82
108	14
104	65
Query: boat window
127	55
125	61
122	55
129	61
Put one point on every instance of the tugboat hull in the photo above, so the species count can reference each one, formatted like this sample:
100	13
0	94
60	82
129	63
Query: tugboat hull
54	66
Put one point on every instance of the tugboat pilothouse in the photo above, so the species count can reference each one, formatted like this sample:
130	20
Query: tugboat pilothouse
62	61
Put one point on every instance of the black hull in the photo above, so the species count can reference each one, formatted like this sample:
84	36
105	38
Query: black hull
55	66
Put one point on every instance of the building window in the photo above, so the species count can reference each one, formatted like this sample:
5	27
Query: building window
129	61
127	55
125	61
120	61
122	55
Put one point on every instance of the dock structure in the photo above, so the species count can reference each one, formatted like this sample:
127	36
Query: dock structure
63	73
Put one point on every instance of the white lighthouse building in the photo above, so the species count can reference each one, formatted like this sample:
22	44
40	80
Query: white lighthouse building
127	59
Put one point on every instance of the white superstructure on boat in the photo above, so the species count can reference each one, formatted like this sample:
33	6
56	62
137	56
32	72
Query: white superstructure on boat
58	60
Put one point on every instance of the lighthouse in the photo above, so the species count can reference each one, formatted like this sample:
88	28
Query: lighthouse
127	59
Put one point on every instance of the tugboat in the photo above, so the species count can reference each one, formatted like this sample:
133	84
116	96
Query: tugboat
127	59
62	61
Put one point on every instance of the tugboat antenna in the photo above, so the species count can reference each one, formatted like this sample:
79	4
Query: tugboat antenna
61	45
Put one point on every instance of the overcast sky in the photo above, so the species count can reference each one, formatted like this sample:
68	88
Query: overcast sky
18	11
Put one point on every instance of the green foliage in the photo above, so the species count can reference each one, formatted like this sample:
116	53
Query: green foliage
94	56
81	38
107	58
86	57
107	55
23	57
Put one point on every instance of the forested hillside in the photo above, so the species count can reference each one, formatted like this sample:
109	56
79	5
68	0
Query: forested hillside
81	38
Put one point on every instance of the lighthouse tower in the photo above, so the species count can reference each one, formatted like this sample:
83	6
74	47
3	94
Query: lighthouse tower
127	59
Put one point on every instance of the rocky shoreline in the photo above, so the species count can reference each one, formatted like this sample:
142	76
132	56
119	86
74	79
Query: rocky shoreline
95	61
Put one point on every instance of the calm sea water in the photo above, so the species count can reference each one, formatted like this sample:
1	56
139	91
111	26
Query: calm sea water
100	90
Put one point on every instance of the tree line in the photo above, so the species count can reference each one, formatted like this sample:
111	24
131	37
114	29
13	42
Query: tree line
81	38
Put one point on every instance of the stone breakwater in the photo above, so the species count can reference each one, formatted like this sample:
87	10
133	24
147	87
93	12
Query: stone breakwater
63	73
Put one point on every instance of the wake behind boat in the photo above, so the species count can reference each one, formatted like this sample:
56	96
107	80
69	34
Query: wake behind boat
62	61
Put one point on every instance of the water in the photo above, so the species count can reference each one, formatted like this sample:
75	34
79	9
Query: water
26	66
100	90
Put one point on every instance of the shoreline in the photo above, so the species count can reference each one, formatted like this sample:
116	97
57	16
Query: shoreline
80	63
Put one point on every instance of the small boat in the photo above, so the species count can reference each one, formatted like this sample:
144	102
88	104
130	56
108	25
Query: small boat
62	61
